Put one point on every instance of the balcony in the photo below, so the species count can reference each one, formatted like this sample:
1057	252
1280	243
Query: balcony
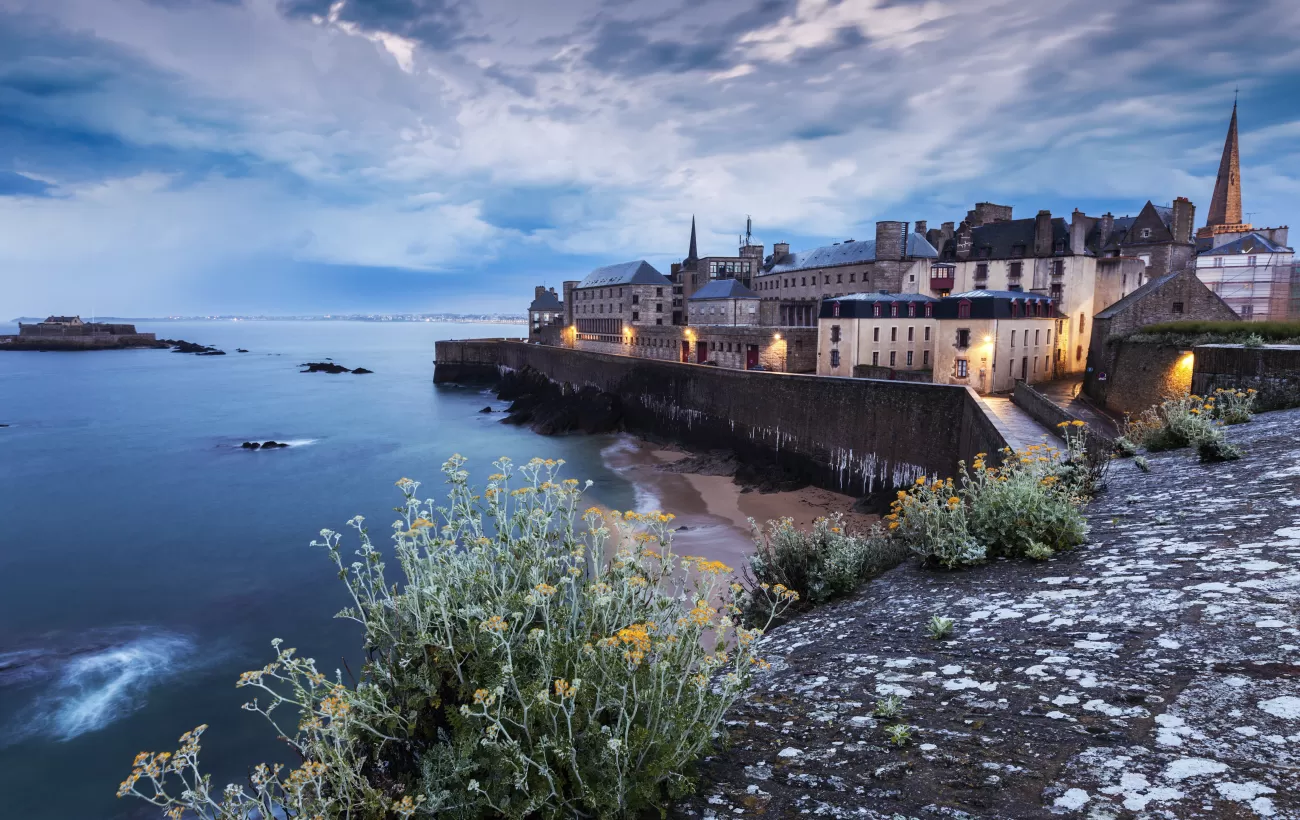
941	283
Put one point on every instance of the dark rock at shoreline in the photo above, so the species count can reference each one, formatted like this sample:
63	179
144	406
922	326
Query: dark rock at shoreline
361	371
265	445
272	445
250	445
240	350
714	462
486	410
544	407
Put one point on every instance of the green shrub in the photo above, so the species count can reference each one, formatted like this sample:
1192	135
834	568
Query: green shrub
1029	507
1176	423
939	627
532	662
1231	406
1217	449
1125	448
1141	463
899	734
819	564
1192	332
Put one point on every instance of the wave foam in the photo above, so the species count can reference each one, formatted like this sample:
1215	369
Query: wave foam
97	685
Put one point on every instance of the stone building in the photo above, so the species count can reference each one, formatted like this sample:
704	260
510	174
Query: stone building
1249	267
545	316
1252	273
695	272
876	335
71	333
1176	296
987	340
1160	236
723	302
616	298
742	347
792	285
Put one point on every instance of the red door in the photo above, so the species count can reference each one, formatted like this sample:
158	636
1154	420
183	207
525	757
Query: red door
751	356
701	352
686	351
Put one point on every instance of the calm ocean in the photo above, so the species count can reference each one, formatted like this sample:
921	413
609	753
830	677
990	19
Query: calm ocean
145	560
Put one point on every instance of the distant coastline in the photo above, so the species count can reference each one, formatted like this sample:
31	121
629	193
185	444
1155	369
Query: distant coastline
466	318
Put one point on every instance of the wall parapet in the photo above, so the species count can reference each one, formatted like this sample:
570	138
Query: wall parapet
856	436
1272	370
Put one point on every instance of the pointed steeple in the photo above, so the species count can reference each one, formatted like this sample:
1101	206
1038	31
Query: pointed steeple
1225	206
693	255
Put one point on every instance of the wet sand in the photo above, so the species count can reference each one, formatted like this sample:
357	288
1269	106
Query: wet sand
713	509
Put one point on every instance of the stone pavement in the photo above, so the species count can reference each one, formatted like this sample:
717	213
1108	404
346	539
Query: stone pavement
1152	673
1068	394
1018	427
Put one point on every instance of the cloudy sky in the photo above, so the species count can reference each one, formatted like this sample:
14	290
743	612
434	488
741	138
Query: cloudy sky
285	156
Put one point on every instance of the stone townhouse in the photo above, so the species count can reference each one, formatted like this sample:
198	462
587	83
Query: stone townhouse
695	272
792	284
1176	296
876	335
613	300
987	340
545	316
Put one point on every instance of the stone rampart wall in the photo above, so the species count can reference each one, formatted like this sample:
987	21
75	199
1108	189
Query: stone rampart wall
1273	370
852	435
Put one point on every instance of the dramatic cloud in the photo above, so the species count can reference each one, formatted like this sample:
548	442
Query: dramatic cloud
164	155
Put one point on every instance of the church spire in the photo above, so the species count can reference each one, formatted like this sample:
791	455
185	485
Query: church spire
1225	206
693	255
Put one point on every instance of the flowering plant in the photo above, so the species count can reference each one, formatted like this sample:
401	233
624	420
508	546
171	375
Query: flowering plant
535	662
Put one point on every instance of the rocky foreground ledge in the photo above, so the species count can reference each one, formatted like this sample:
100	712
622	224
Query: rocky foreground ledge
1154	673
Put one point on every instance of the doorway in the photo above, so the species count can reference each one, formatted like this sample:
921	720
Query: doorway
751	357
686	351
1024	369
701	352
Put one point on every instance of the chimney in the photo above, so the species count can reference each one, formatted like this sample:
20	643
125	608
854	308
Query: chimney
920	226
964	240
1078	231
1043	234
539	291
780	250
1184	219
889	240
1107	228
568	301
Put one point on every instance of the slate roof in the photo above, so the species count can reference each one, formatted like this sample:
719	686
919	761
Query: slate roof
1123	224
724	289
848	253
1136	296
65	320
1001	237
883	297
1250	243
999	294
547	301
639	272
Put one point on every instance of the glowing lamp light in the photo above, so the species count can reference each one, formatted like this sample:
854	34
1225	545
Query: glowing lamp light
776	336
988	338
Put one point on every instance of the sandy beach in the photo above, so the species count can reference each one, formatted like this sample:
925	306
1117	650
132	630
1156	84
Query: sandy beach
713	509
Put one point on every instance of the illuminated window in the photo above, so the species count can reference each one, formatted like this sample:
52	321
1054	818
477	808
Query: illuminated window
962	368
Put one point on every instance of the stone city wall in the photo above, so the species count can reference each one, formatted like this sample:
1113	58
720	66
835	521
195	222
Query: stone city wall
1143	374
1273	370
855	436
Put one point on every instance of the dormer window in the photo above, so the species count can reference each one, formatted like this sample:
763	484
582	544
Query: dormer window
1017	251
1146	233
875	309
985	252
929	310
1059	247
893	309
963	309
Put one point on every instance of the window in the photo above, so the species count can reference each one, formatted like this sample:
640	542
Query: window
1059	246
1015	269
659	321
835	331
910	331
962	370
893	309
1080	322
929	311
1036	332
1178	308
659	307
925	358
636	298
853	277
963	309
982	270
1146	233
875	358
1013	338
875	309
985	253
963	338
875	334
1250	261
835	311
1078	353
927	333
828	280
1035	365
636	316
893	334
839	278
1218	261
835	358
1058	267
803	280
659	292
1049	337
909	358
893	358
1018	250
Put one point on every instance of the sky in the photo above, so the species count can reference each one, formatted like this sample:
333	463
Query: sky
305	156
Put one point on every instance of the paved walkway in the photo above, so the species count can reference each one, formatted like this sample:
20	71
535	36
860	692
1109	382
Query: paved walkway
1018	427
1068	394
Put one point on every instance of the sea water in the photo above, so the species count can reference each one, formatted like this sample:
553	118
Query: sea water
146	559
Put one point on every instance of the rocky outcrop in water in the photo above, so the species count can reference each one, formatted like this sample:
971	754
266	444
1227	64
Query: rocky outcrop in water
182	346
265	445
1152	673
331	367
